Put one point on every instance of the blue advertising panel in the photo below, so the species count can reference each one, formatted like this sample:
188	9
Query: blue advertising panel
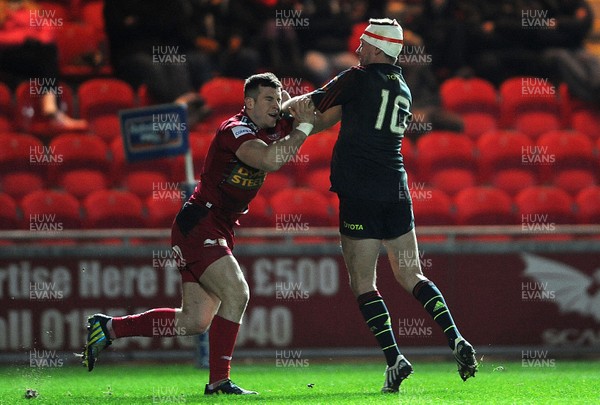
154	132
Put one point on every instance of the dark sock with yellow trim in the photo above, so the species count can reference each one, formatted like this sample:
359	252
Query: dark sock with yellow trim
433	301
376	315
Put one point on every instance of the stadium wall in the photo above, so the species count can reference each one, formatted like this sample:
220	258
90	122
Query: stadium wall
502	294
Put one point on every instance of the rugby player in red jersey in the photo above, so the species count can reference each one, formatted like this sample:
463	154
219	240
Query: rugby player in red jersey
248	145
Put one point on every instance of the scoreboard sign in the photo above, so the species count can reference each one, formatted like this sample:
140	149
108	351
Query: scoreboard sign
154	132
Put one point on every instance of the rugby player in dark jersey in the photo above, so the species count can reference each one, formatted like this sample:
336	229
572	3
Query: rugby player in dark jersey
367	172
215	293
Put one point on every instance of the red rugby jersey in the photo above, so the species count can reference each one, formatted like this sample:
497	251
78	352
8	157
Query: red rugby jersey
226	182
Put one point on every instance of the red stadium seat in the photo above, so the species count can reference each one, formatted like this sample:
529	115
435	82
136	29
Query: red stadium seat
18	184
477	124
50	210
588	205
223	95
574	180
162	211
587	122
562	150
259	214
113	209
512	181
82	182
472	95
520	96
315	153
8	214
199	143
451	181
30	117
318	179
432	207
21	152
78	151
502	150
301	207
439	150
98	97
545	205
484	206
275	182
535	123
146	184
106	127
121	168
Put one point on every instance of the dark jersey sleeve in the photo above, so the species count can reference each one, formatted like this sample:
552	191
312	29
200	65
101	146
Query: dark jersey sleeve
340	90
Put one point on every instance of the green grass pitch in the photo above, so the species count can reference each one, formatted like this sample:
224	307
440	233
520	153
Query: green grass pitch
333	382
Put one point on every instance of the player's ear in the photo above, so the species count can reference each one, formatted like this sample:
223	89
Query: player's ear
249	103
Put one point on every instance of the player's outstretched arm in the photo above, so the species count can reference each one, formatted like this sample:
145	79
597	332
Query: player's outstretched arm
270	158
323	120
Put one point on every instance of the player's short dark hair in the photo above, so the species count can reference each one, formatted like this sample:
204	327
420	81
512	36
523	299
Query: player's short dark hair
262	79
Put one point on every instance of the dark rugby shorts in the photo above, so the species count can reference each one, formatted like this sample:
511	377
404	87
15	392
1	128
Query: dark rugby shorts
200	237
369	219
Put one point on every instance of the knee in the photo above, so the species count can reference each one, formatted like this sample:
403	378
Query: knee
236	295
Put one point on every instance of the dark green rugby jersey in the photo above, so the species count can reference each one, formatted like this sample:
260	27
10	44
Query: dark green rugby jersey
375	102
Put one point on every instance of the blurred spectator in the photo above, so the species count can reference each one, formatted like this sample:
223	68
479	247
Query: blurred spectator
325	42
153	42
28	53
566	56
221	34
508	38
419	65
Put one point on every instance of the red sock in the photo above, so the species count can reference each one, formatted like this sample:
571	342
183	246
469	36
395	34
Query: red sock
155	322
221	335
